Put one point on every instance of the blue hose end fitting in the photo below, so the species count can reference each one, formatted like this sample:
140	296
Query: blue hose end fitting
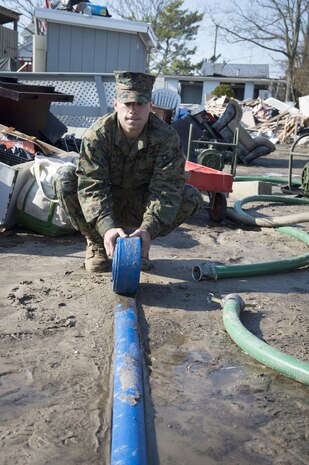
126	265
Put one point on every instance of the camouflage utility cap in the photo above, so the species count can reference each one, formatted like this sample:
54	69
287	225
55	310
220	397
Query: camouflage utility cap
133	87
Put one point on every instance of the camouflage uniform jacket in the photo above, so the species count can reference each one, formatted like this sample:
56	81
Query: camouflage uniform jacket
154	164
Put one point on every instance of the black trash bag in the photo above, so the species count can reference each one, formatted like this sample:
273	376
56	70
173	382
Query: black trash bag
71	3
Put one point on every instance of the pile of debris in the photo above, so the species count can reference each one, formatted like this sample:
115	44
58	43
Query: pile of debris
284	126
278	121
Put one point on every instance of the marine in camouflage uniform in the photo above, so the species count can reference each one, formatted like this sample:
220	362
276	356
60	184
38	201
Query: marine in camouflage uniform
123	183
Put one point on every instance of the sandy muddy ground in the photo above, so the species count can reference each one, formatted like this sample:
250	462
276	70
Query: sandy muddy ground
207	402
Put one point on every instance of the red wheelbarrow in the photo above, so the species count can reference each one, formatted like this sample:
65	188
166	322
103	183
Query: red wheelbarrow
215	183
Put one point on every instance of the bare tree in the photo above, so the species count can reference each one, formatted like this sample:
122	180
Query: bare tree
301	73
139	10
279	26
26	9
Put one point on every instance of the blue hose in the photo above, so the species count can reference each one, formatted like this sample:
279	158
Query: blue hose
128	431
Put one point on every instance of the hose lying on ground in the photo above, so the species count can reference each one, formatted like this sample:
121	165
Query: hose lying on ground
273	179
283	363
208	270
128	424
237	214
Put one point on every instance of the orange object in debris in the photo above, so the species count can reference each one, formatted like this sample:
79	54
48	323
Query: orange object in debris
17	140
208	179
22	144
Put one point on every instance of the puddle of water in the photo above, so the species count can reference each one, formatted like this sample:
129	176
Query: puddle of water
226	376
193	361
202	414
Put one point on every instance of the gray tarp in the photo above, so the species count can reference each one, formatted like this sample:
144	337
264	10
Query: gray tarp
8	64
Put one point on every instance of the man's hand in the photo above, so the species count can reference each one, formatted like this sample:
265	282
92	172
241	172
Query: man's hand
110	239
146	241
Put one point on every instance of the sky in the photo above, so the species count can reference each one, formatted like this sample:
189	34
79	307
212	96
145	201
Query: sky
243	53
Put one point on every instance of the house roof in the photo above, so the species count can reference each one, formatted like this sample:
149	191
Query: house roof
229	80
8	16
144	30
235	70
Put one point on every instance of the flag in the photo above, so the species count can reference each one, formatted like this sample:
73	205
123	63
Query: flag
46	4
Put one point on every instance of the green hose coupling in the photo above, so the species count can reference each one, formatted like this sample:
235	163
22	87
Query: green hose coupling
205	270
236	299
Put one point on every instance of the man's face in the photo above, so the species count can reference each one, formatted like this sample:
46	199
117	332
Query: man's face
132	117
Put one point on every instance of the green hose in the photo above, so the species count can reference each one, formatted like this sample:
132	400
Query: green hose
296	182
237	214
208	270
269	356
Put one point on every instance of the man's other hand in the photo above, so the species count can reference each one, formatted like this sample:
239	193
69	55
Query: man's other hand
146	241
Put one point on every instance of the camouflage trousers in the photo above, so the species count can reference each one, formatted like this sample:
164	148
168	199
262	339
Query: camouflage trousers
128	205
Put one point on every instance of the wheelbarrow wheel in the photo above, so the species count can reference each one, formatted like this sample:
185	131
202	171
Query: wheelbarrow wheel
218	206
